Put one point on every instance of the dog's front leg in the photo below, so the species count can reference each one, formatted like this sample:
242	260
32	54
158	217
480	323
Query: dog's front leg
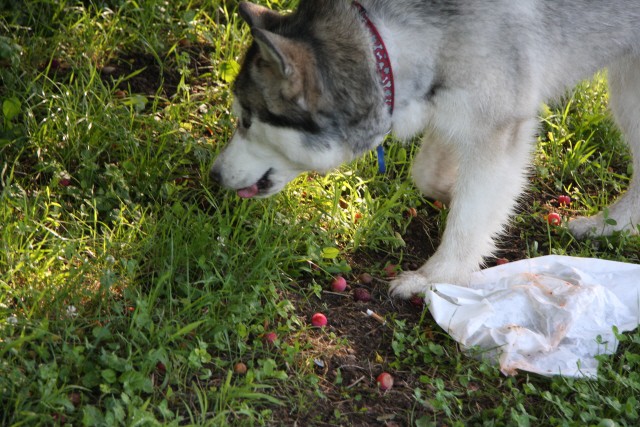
435	167
491	175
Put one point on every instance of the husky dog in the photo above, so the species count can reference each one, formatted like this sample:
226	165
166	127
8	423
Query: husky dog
468	75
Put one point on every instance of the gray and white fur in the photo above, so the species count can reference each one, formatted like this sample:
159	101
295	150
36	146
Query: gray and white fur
470	77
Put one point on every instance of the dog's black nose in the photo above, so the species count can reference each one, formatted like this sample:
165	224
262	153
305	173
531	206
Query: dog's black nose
215	175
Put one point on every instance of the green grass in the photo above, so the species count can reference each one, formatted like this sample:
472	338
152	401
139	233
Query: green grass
129	288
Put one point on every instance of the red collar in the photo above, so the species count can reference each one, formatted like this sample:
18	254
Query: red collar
382	58
384	70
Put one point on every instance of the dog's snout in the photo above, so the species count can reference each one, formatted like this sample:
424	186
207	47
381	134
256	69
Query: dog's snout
215	175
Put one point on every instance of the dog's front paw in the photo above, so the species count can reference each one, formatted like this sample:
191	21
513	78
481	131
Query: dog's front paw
601	225
583	227
408	284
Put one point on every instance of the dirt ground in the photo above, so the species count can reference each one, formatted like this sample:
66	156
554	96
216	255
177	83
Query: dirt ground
368	352
365	352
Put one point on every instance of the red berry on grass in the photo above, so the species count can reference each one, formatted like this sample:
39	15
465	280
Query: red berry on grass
564	200
554	218
338	284
502	261
319	320
365	278
417	301
161	368
390	270
361	294
385	381
412	212
75	398
270	337
240	368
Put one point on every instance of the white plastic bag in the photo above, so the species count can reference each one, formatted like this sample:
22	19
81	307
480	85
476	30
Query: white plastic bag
549	315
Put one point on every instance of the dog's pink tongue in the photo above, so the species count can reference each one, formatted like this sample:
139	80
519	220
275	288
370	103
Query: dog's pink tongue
249	192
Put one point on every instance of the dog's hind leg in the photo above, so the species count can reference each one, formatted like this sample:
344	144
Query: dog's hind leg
435	167
491	175
624	101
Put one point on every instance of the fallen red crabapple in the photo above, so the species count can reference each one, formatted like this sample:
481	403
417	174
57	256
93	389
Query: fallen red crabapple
390	270
365	278
412	212
361	294
417	300
161	368
554	218
319	320
75	398
338	284
385	381
270	337
240	368
564	200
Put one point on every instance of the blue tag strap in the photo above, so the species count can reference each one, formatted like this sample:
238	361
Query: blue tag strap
382	166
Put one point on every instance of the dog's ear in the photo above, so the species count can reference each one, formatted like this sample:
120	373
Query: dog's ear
258	16
277	50
292	68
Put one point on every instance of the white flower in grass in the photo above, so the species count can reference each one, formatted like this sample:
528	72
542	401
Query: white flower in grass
72	311
12	320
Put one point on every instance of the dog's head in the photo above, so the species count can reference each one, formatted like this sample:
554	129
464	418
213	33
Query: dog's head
306	98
